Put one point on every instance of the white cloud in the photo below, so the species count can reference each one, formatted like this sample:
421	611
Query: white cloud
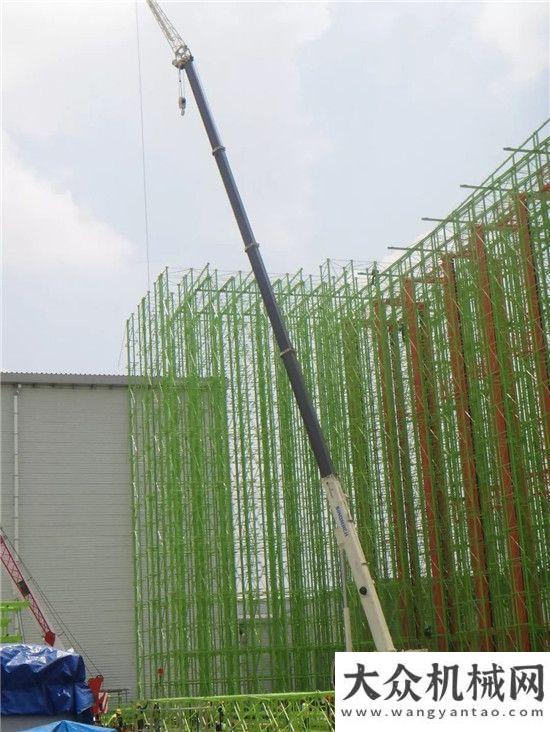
70	108
59	63
44	230
520	31
85	89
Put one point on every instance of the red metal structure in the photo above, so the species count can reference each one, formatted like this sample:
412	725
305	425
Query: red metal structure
11	566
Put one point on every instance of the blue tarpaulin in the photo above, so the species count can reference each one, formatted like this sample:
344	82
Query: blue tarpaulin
44	680
67	727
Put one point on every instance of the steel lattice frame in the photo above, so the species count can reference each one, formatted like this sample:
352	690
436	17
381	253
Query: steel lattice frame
431	379
242	713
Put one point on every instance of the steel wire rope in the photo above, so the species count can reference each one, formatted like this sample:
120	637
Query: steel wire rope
143	163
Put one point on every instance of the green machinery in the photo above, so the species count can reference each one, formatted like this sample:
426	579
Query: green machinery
9	611
242	713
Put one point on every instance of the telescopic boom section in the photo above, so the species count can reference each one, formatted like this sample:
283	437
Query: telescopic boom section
346	531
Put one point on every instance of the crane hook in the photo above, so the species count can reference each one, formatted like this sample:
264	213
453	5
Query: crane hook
182	102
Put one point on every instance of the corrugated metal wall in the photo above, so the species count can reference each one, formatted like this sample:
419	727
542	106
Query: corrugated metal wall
75	524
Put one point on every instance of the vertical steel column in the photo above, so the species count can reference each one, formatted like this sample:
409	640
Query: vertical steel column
540	350
357	425
414	587
430	490
392	458
504	462
445	530
467	456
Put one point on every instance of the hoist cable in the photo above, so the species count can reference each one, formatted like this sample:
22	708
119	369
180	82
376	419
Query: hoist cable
143	165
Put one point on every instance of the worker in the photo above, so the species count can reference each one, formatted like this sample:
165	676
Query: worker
116	721
156	717
220	723
141	721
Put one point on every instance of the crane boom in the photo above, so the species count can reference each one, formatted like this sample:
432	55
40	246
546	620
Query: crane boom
176	42
12	567
11	563
346	531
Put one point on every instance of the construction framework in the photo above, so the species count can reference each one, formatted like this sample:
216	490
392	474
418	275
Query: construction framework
431	378
242	713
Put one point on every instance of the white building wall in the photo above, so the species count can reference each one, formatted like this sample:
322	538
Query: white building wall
75	519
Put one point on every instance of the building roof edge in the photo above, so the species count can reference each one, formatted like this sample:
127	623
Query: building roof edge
14	377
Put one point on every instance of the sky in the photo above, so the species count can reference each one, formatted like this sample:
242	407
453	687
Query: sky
345	123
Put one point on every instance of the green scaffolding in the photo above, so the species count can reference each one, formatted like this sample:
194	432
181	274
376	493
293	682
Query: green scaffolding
432	384
9	612
292	712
